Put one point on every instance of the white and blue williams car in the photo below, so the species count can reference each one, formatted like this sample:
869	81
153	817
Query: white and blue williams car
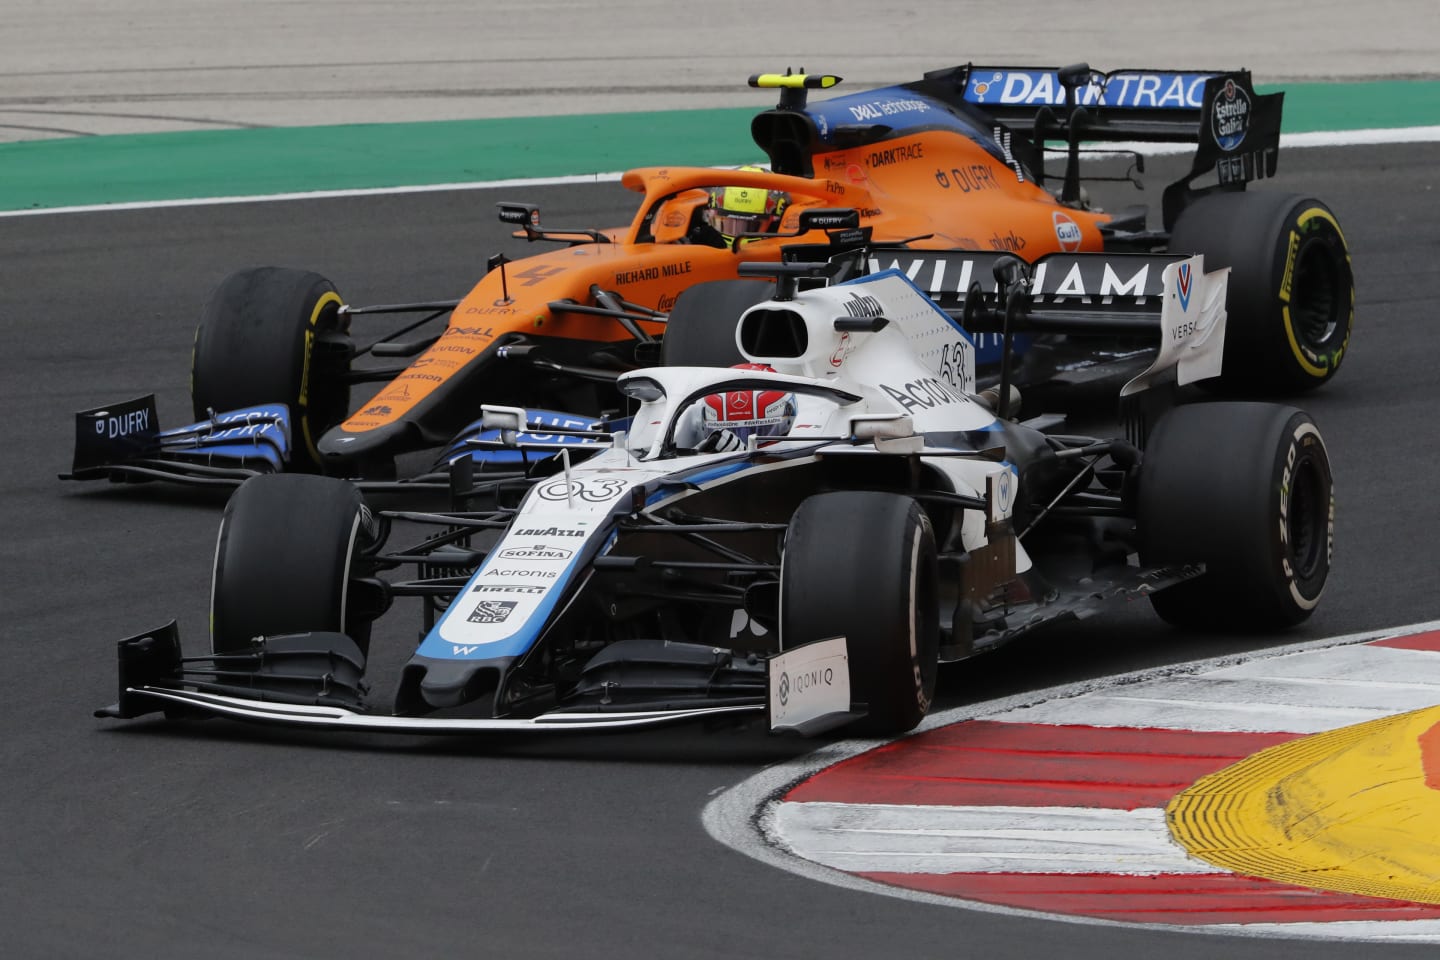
799	541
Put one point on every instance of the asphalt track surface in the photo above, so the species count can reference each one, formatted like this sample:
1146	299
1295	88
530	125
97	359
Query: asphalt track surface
216	840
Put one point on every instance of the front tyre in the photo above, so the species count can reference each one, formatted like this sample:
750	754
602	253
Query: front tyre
1246	489
288	549
1291	302
275	335
862	565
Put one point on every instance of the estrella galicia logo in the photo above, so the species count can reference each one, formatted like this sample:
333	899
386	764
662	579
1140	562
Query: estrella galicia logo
491	611
1230	116
1183	285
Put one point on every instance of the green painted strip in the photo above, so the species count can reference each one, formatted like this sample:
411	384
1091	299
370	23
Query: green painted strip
1377	105
170	166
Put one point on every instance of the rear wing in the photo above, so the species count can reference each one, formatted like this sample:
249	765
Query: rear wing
1162	298
1236	130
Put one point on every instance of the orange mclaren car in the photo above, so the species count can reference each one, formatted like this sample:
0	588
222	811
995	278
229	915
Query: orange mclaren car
942	178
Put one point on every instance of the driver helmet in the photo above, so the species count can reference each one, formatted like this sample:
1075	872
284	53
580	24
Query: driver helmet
739	210
728	420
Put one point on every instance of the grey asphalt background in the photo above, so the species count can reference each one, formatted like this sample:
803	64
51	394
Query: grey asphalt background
216	840
133	66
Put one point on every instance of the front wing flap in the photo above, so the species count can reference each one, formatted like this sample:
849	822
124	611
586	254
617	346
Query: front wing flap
123	441
809	692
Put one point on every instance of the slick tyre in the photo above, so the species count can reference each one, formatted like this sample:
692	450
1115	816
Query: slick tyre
275	335
288	548
701	328
1246	489
1291	303
861	565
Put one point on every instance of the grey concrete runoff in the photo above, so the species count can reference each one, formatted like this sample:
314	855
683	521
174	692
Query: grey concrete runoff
79	67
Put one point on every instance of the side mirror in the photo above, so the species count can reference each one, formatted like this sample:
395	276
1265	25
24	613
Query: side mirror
526	215
870	427
503	418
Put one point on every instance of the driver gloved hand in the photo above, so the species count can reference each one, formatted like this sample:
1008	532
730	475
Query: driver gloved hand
721	441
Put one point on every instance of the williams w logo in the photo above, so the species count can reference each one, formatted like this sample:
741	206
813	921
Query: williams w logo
458	651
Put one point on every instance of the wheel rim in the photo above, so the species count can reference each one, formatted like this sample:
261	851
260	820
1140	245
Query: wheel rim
1315	302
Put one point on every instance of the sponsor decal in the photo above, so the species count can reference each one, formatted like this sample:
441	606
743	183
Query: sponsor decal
855	172
246	431
673	218
1057	276
510	588
923	394
863	305
1010	242
525	574
842	350
1183	284
1067	231
483	333
125	424
968	179
1182	330
537	552
833	162
982	88
378	410
549	532
893	155
439	362
492	611
878	109
1153	90
491	311
1230	116
644	274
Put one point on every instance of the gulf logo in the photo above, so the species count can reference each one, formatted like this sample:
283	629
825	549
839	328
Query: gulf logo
1067	231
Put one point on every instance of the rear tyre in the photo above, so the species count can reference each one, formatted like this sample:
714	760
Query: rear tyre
288	548
862	565
1246	489
275	335
1291	302
701	329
